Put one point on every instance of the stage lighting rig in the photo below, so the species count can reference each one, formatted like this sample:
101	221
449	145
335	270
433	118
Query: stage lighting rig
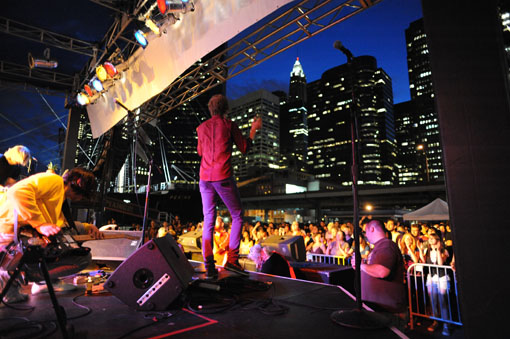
141	38
42	63
97	84
175	6
82	99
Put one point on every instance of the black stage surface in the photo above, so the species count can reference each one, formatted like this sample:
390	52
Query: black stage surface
261	306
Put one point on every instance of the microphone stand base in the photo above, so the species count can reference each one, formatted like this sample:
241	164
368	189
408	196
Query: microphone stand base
361	319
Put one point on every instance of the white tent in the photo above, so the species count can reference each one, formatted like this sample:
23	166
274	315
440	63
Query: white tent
436	210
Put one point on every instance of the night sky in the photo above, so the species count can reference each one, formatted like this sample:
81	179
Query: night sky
33	119
378	31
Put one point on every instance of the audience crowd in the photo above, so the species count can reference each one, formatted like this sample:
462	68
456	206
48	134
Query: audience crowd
422	242
334	238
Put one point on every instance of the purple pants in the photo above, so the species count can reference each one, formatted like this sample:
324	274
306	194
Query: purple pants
227	190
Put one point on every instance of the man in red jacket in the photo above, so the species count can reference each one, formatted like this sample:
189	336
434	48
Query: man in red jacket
216	137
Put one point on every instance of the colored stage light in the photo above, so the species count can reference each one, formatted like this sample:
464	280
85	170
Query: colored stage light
168	6
88	90
162	6
152	26
101	73
97	84
82	99
110	69
140	37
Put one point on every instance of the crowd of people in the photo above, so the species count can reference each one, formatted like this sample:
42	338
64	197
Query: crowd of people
426	243
416	241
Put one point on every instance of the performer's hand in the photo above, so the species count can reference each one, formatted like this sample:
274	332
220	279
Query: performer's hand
94	232
48	229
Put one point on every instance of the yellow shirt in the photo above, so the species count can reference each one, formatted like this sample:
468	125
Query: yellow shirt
39	200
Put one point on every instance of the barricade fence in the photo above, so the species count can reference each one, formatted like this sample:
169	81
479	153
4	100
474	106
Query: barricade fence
328	259
433	293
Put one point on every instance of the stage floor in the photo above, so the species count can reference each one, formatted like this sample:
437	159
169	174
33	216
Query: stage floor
260	306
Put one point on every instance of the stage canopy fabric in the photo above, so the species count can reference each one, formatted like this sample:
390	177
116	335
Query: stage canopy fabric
149	71
436	210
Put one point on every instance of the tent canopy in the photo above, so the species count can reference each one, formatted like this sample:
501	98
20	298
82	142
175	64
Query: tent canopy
436	210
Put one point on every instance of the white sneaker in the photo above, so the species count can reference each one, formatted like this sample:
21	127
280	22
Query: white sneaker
13	295
58	286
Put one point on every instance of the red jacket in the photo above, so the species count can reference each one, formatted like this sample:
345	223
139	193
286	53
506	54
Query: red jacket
215	139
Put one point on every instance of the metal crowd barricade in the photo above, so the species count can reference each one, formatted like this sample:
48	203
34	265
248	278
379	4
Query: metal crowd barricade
433	293
328	259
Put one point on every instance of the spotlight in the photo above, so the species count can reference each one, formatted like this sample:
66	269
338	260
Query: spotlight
110	69
152	26
88	90
82	99
140	37
98	86
42	63
101	73
169	6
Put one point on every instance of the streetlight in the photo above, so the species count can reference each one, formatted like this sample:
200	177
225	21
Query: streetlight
421	147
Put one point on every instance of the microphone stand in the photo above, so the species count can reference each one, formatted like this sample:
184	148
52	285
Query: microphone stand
358	317
148	187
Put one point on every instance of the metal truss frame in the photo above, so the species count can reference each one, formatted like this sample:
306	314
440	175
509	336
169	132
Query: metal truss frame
46	37
60	80
297	23
112	36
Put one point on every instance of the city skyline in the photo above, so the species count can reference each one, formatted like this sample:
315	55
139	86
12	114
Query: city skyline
363	34
379	31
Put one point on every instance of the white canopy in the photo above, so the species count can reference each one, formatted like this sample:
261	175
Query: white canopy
436	210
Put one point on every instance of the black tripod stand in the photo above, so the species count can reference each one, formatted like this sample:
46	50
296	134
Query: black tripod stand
36	255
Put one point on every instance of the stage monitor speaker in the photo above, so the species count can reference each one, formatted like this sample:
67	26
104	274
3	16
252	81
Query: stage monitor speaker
153	276
191	241
291	247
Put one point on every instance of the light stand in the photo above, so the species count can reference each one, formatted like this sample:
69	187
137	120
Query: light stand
358	317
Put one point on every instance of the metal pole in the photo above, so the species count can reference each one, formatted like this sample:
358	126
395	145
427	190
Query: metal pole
146	209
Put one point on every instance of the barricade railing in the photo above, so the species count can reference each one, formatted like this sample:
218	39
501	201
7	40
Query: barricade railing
328	259
433	293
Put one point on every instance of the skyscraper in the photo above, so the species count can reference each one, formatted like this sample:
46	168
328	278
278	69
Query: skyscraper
264	155
418	62
417	124
294	122
329	114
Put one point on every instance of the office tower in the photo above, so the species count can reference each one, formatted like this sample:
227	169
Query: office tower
264	155
329	116
418	62
294	122
417	124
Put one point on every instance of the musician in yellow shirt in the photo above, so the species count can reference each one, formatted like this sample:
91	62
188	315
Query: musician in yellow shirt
38	202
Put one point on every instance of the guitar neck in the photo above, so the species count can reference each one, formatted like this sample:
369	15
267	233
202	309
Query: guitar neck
87	237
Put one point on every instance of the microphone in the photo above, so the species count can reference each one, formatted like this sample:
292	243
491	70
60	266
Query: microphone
338	45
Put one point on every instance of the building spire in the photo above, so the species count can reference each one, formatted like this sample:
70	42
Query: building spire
297	70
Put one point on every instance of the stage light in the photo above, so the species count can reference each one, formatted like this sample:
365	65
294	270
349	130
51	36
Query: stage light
110	69
97	84
169	6
140	37
152	26
42	63
88	90
101	73
82	99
